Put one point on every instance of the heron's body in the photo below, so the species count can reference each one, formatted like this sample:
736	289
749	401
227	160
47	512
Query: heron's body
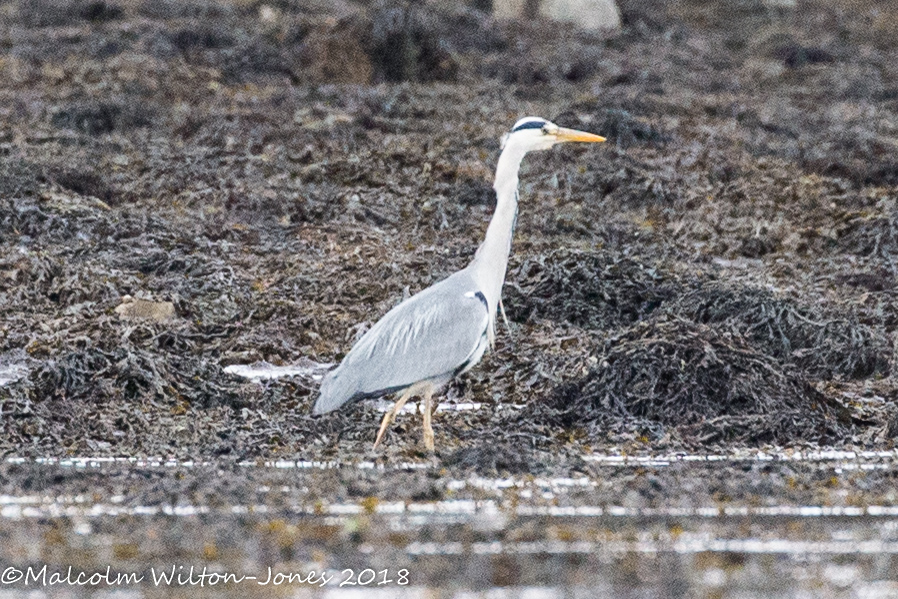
443	331
418	340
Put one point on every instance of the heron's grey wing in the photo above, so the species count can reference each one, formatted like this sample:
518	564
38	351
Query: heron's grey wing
430	335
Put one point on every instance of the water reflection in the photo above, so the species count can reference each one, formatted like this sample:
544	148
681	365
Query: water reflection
482	536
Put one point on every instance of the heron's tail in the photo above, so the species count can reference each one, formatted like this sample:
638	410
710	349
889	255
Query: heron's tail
335	391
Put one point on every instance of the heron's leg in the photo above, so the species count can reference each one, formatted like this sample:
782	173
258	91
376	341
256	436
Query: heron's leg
505	319
388	417
428	429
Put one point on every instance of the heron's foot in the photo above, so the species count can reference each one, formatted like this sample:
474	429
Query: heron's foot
428	439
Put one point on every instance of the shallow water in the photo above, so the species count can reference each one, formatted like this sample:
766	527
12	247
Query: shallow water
265	371
306	368
514	536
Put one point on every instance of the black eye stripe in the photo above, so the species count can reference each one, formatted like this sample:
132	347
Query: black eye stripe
530	125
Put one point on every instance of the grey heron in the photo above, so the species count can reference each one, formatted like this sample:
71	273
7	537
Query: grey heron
444	330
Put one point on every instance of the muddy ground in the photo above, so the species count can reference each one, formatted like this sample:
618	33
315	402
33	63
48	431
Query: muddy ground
720	275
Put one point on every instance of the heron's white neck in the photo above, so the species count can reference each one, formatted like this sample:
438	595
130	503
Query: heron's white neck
491	260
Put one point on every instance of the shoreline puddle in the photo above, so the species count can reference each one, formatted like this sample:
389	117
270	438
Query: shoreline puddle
843	459
305	368
412	407
39	506
686	544
265	371
846	459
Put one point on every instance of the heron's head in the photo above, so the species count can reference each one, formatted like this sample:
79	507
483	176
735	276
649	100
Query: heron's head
534	133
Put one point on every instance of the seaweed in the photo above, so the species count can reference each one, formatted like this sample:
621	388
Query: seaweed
823	343
278	175
706	385
875	236
594	289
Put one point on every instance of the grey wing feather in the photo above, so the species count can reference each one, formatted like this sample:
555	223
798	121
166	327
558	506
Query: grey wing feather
430	335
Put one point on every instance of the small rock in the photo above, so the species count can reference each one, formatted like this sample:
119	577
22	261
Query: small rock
780	4
588	14
132	308
268	14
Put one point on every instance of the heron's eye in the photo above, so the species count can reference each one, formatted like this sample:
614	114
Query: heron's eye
545	129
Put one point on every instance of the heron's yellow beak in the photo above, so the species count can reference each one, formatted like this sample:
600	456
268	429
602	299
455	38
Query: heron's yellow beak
574	135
